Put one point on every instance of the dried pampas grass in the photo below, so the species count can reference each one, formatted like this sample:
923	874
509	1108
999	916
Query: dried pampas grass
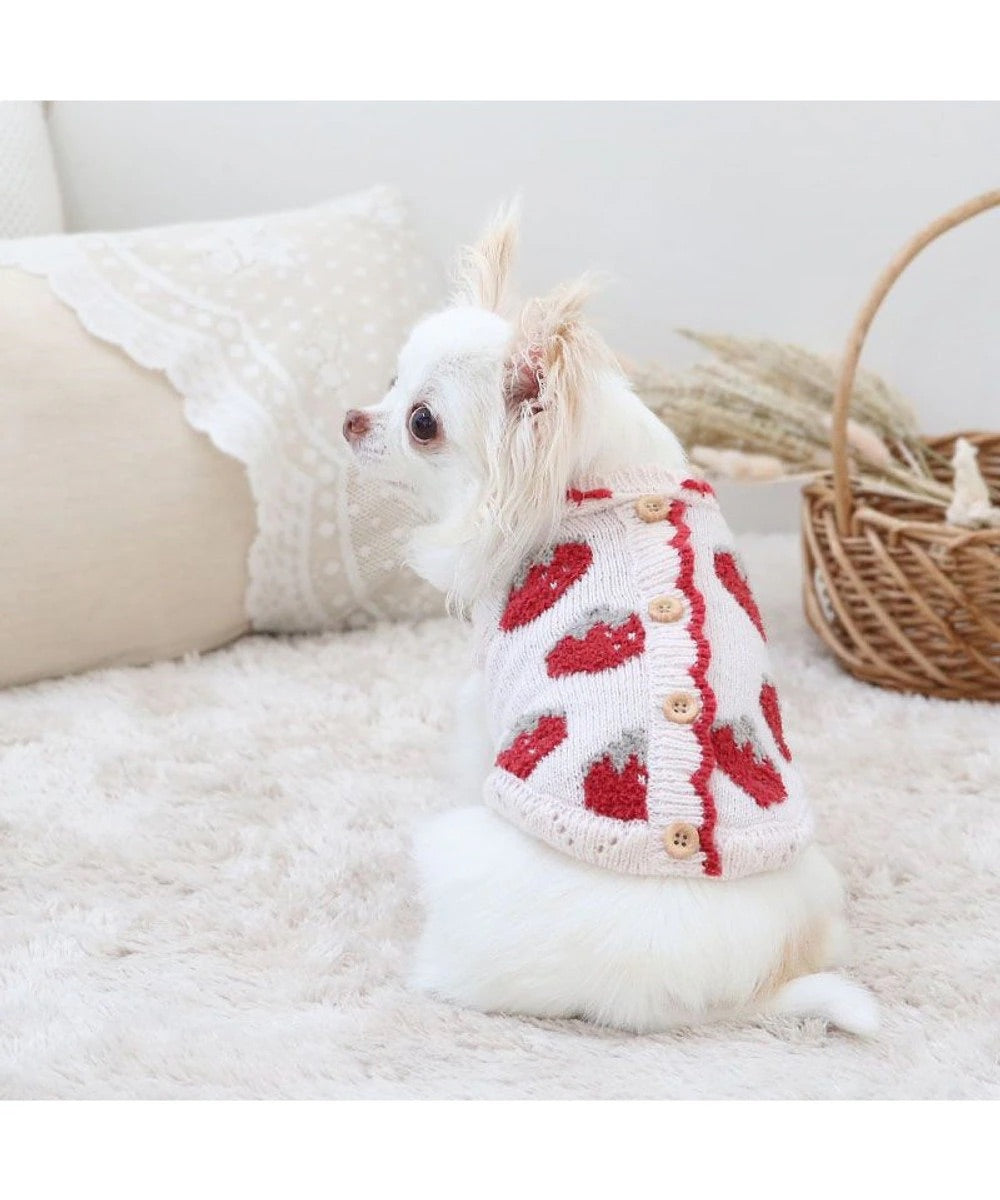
762	410
737	464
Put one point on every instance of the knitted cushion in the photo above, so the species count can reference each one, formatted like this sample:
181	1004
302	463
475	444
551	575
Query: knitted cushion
176	475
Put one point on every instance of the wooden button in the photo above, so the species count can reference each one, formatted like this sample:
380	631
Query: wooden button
681	840
652	508
666	608
681	708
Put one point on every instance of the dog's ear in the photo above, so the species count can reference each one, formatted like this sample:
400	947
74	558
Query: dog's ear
525	377
555	363
483	270
551	351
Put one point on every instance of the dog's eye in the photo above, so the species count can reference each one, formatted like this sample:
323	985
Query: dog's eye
423	424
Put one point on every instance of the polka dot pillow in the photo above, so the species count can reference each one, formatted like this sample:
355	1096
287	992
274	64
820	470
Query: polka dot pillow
264	330
29	190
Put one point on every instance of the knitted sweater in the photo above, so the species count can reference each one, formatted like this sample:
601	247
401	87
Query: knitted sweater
632	709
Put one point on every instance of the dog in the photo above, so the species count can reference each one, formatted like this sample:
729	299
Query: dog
605	894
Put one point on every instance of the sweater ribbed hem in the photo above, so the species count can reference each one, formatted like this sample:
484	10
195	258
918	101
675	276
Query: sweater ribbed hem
637	847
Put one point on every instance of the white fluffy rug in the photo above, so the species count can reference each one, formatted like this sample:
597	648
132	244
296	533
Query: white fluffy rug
205	890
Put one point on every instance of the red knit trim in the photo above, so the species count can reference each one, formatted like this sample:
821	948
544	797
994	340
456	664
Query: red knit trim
732	579
702	726
617	794
757	776
544	583
701	486
531	745
771	709
603	647
578	497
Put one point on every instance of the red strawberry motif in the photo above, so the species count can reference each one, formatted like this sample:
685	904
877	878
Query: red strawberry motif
746	765
603	640
734	581
772	715
542	583
615	782
533	738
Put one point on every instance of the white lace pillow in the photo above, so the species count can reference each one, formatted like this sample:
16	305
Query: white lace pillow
29	190
268	329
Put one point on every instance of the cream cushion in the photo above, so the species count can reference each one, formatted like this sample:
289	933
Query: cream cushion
124	533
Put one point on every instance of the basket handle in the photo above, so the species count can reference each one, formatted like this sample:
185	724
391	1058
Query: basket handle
859	331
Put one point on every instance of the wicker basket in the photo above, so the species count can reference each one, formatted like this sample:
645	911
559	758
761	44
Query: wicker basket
902	599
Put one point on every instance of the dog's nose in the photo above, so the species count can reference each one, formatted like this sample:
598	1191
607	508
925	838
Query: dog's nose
356	424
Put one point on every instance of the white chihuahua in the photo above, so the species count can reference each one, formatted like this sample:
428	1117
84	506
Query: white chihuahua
645	860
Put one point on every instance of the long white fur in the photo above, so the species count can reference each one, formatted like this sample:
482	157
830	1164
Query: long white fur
511	924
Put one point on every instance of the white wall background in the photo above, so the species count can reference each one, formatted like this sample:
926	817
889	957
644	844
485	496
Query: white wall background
768	219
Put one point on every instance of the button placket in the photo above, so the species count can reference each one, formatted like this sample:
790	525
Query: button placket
681	840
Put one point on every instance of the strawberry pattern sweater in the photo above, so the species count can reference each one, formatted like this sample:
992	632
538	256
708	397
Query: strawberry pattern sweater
634	716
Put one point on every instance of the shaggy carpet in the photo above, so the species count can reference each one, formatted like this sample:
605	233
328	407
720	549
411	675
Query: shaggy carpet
205	889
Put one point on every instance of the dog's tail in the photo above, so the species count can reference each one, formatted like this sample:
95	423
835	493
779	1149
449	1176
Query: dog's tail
837	1000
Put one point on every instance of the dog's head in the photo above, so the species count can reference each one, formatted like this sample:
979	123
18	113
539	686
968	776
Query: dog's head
493	412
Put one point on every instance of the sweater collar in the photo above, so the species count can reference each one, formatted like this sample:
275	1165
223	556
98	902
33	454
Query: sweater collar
591	493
